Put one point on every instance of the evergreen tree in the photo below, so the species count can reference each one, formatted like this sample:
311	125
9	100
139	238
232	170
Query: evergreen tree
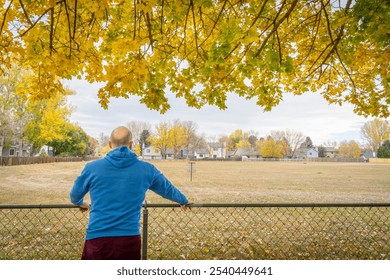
384	150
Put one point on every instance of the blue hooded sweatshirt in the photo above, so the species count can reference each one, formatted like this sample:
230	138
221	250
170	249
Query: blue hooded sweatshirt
117	185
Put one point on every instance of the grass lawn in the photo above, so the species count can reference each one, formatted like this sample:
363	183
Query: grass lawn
214	233
218	182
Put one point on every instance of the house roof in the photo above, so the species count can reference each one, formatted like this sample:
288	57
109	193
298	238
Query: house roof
247	152
216	145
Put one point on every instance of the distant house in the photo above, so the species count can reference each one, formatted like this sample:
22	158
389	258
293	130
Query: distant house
312	153
45	151
213	150
300	153
14	149
248	153
330	152
304	153
201	154
217	150
151	153
169	154
367	155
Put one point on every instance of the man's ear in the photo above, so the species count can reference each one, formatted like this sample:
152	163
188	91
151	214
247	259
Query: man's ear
109	144
130	145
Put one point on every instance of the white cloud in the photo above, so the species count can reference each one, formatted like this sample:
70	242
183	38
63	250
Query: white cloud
308	113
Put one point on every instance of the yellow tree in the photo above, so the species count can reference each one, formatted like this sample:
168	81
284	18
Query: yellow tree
271	149
178	139
203	49
349	149
238	139
23	116
161	138
9	105
375	132
137	149
49	122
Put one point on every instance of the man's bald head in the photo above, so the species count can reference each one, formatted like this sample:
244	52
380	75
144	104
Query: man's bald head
120	136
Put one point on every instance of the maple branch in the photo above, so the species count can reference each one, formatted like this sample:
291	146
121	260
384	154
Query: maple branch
253	23
75	20
33	25
279	47
149	30
135	19
334	45
327	20
5	16
315	35
345	69
185	31
318	23
91	24
69	31
25	12
258	14
162	16
51	29
276	25
195	31
215	22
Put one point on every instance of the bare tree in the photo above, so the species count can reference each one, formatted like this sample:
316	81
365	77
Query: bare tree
375	132
192	139
103	139
294	140
330	144
136	128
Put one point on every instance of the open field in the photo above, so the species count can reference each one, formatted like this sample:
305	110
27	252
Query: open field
214	233
259	182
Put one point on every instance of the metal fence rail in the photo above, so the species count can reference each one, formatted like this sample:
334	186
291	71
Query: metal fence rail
210	231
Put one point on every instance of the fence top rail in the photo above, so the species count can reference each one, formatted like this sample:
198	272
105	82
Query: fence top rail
209	205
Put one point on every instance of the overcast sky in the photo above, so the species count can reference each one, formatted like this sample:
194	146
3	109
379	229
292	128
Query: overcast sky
309	114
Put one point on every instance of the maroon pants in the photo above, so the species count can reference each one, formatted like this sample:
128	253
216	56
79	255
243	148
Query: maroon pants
113	248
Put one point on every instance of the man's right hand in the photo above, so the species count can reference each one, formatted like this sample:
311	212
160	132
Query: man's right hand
186	206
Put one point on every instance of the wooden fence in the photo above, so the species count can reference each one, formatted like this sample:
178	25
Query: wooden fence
335	159
379	160
9	161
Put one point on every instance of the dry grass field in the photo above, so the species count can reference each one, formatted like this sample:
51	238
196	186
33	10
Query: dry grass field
245	182
214	233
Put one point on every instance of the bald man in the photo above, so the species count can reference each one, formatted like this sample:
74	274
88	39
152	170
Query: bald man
117	185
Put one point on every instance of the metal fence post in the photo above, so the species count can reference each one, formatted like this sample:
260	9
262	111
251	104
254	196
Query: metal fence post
145	216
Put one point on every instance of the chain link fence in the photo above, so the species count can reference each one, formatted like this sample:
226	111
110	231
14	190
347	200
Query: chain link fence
210	231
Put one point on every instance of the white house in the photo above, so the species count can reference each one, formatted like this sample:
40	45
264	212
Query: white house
217	150
330	152
248	153
303	153
312	153
151	153
201	154
14	149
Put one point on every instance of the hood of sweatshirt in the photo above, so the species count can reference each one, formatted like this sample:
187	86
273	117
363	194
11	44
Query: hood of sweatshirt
121	157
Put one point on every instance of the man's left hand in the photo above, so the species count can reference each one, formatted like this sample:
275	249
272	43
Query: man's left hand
84	207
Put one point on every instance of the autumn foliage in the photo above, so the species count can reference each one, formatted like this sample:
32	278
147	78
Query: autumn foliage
202	49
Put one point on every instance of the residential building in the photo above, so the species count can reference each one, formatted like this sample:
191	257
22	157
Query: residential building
151	153
330	152
14	149
312	153
248	153
201	154
217	150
